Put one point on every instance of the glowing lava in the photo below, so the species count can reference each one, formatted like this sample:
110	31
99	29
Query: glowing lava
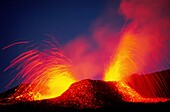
123	63
130	58
45	68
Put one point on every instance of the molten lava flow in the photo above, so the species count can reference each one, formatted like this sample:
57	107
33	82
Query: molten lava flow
45	68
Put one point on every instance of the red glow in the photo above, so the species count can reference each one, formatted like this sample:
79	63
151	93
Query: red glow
16	43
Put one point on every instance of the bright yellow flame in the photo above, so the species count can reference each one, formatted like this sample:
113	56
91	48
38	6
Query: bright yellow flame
57	85
54	80
46	69
123	64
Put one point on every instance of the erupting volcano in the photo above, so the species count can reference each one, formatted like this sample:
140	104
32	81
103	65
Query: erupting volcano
48	74
65	76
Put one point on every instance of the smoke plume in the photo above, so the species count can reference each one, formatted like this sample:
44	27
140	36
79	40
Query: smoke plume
149	22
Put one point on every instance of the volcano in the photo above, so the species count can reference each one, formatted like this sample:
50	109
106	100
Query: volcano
86	94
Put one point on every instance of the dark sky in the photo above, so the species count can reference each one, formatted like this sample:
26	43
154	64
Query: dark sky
63	18
29	20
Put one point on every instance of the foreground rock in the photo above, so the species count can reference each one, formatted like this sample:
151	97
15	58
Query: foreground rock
88	95
96	94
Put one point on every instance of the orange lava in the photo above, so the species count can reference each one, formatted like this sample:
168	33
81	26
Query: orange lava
130	58
47	70
130	95
123	63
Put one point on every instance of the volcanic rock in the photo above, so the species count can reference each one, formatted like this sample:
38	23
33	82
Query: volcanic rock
95	94
20	93
144	84
85	95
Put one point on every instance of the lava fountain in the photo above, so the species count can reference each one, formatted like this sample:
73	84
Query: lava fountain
131	57
143	45
45	68
123	63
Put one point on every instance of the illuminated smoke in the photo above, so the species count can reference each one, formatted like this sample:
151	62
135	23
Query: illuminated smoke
149	23
146	24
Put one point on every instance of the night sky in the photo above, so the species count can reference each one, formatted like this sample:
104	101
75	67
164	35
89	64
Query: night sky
30	20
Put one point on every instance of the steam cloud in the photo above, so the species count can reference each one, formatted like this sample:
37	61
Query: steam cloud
148	20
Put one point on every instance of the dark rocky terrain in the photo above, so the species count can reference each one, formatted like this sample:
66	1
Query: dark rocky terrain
145	82
91	95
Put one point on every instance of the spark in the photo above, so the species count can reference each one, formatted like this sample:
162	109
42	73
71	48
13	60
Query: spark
46	68
16	43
